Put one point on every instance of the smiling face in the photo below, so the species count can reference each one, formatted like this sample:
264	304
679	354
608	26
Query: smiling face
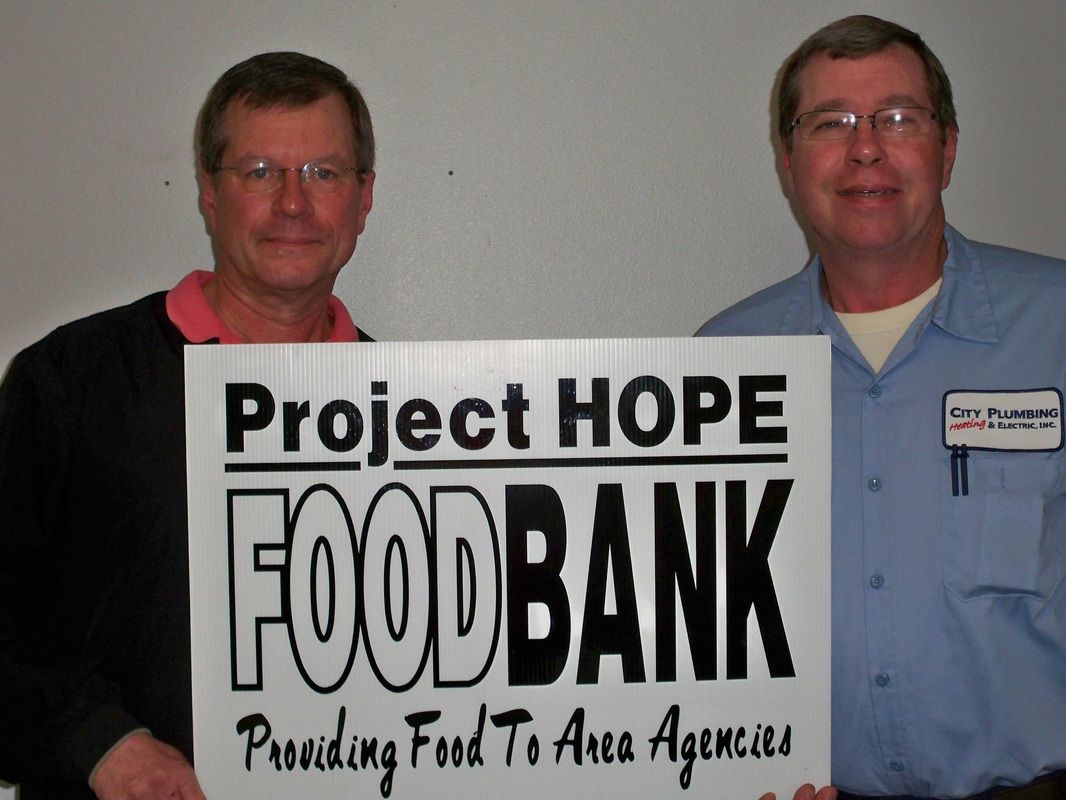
284	241
868	196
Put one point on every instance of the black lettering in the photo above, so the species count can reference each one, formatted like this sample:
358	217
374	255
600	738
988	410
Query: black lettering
511	719
688	756
473	747
664	405
592	749
290	755
572	736
571	411
275	755
604	634
725	743
667	734
319	763
396	549
442	751
353	430
673	568
535	662
418	739
249	725
697	415
333	751
407	427
388	761
369	753
706	742
237	422
379	425
515	405
292	415
318	549
751	408
464	564
462	411
749	583
768	740
533	749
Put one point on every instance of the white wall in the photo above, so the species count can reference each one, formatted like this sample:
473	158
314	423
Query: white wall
546	169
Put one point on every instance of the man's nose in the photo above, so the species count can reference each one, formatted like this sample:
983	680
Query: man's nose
864	144
292	199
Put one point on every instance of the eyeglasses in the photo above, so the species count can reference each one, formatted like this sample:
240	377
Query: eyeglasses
257	175
891	123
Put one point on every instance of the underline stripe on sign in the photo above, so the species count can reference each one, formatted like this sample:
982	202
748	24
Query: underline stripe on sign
295	466
594	461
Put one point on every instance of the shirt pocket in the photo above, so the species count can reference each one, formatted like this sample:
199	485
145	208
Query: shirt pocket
998	539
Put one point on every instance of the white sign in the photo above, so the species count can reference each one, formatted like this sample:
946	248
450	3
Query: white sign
520	569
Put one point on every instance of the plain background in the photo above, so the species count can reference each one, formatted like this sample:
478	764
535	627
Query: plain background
546	169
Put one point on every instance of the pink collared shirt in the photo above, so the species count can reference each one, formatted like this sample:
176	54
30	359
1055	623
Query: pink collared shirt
189	310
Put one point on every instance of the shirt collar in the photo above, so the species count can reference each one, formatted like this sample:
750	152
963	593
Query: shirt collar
963	307
807	311
190	312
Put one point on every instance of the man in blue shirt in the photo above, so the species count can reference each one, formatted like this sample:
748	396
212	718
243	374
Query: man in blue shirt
949	480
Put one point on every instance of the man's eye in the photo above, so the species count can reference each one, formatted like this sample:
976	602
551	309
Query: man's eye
323	174
828	124
259	173
902	123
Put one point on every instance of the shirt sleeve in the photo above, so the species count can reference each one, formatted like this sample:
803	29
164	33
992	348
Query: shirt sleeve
59	715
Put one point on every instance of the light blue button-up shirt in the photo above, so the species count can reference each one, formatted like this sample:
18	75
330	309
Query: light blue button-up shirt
949	605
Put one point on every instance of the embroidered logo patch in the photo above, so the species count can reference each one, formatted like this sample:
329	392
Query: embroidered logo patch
1022	420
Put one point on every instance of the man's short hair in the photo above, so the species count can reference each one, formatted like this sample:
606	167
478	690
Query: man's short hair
857	37
279	79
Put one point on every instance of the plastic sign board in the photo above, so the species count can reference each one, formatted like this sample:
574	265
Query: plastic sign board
523	569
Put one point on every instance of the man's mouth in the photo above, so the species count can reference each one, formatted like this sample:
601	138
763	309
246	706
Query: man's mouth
288	243
868	192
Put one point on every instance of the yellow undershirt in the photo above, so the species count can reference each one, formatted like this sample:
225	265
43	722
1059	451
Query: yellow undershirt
876	333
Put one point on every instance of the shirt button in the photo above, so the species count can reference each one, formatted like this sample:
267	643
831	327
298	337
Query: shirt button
877	581
874	391
895	765
882	679
874	484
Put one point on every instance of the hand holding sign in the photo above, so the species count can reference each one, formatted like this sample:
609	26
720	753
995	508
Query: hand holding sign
143	768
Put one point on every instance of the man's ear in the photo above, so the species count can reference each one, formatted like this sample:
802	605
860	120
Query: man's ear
366	200
786	164
206	185
951	143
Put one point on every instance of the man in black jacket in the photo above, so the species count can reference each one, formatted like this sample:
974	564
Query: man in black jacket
94	594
